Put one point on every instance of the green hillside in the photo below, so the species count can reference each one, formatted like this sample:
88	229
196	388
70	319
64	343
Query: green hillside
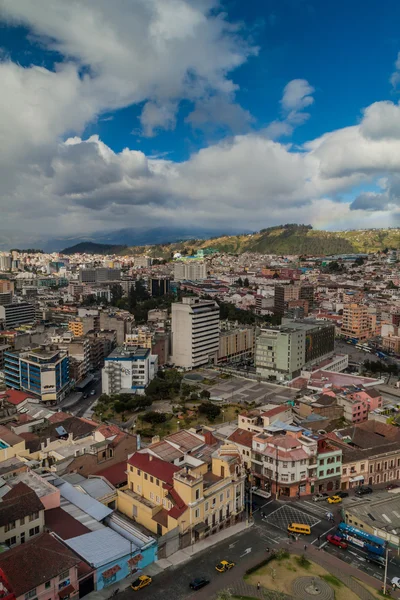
285	239
93	248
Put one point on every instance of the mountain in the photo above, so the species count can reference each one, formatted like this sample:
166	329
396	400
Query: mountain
93	248
285	239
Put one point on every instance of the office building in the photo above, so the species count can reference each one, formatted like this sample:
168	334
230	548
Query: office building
121	323
6	286
99	275
128	370
15	314
190	271
195	332
236	345
5	262
43	372
142	262
5	298
159	286
285	295
356	321
282	352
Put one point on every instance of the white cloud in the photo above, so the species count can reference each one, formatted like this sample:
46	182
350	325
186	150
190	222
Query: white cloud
395	77
296	97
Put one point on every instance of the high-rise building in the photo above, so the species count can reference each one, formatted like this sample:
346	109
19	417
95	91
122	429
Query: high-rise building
190	271
128	369
195	332
288	293
43	372
15	314
99	275
142	261
283	351
6	286
159	286
5	298
356	321
5	262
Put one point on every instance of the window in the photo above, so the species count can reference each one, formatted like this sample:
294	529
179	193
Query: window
139	472
197	493
11	541
64	575
22	521
293	463
9	526
362	467
228	493
221	497
213	502
30	594
344	471
138	489
33	531
151	479
321	461
337	469
292	477
197	513
34	516
206	507
158	499
131	469
151	496
321	474
47	585
285	465
146	476
157	482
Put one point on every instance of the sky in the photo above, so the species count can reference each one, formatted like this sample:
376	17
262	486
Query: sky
230	114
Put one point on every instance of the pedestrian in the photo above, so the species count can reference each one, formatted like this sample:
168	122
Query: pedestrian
258	585
305	547
267	549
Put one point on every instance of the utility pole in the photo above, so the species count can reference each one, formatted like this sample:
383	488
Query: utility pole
386	566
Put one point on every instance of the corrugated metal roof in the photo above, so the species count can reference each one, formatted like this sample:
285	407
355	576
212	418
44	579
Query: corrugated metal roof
80	516
101	547
96	488
86	503
73	478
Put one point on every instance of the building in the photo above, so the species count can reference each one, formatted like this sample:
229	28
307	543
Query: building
356	321
121	323
357	404
99	275
5	298
160	347
190	271
5	262
142	262
141	336
43	372
284	295
41	568
76	328
194	332
128	369
15	314
159	286
282	352
329	467
236	345
378	516
193	499
21	515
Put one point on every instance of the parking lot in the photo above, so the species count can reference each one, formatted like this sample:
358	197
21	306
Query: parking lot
283	516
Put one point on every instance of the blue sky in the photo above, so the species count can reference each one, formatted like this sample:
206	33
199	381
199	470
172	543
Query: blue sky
85	82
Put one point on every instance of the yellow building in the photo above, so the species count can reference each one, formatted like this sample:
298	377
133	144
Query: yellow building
76	327
195	498
356	321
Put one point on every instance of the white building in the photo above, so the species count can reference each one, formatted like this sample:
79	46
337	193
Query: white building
190	271
128	370
195	332
16	314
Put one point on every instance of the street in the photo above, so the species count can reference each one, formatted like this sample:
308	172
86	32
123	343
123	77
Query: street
249	548
82	408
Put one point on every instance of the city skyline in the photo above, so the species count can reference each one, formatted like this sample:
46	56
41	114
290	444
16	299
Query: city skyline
201	113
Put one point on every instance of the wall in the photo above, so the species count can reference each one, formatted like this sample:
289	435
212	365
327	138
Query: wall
148	555
51	593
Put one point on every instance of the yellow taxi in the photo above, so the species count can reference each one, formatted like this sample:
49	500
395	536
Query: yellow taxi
224	565
141	582
334	499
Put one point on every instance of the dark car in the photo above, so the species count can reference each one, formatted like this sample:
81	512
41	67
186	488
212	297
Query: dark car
342	494
198	583
378	560
392	486
362	490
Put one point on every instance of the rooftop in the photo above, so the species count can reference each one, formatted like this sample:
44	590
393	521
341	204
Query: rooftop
18	503
126	353
116	474
99	548
64	524
153	466
380	512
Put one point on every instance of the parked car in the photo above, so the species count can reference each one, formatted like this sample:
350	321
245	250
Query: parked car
392	486
336	540
224	565
92	393
198	583
141	582
334	499
343	494
377	560
362	490
395	582
320	496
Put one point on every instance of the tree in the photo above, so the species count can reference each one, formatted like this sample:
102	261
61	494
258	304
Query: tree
154	417
224	595
210	410
194	396
205	394
240	282
246	282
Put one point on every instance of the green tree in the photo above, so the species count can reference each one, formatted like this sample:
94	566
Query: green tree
240	282
210	410
205	394
194	396
154	417
246	282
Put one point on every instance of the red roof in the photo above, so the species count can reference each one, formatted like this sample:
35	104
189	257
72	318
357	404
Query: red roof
274	411
58	417
179	506
242	437
14	396
153	466
116	474
64	524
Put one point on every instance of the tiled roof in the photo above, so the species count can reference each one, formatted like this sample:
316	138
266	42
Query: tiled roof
63	524
242	437
18	503
39	560
14	396
116	474
9	437
153	466
274	411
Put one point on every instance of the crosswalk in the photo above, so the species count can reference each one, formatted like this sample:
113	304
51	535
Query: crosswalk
316	508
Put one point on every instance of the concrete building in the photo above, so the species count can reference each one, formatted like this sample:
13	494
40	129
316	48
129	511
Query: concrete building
15	314
5	262
190	271
285	294
121	323
356	321
142	262
43	372
282	352
195	332
236	345
99	275
128	370
76	328
159	286
21	515
329	468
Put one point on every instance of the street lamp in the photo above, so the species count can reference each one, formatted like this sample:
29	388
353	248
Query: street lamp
386	566
177	423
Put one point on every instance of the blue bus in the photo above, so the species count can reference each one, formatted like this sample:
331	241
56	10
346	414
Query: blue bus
362	539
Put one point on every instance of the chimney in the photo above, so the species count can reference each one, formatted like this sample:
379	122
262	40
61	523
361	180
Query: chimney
209	438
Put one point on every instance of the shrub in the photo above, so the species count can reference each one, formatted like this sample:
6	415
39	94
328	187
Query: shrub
332	580
264	562
303	562
210	410
154	417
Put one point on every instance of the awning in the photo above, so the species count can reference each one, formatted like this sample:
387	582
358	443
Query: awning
200	527
110	572
357	478
67	591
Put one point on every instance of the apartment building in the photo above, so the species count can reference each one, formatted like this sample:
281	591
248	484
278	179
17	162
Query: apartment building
43	372
283	351
142	262
140	336
76	328
356	405
236	345
193	499
159	286
356	321
128	369
21	515
15	314
284	294
190	271
99	275
195	332
122	323
285	465
329	466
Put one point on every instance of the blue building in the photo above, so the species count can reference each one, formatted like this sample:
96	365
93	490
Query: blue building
43	372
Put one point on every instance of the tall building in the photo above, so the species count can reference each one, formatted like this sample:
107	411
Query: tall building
286	294
190	271
122	323
195	332
16	314
283	351
43	372
142	261
159	286
5	262
236	345
99	275
129	370
5	298
356	321
6	285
